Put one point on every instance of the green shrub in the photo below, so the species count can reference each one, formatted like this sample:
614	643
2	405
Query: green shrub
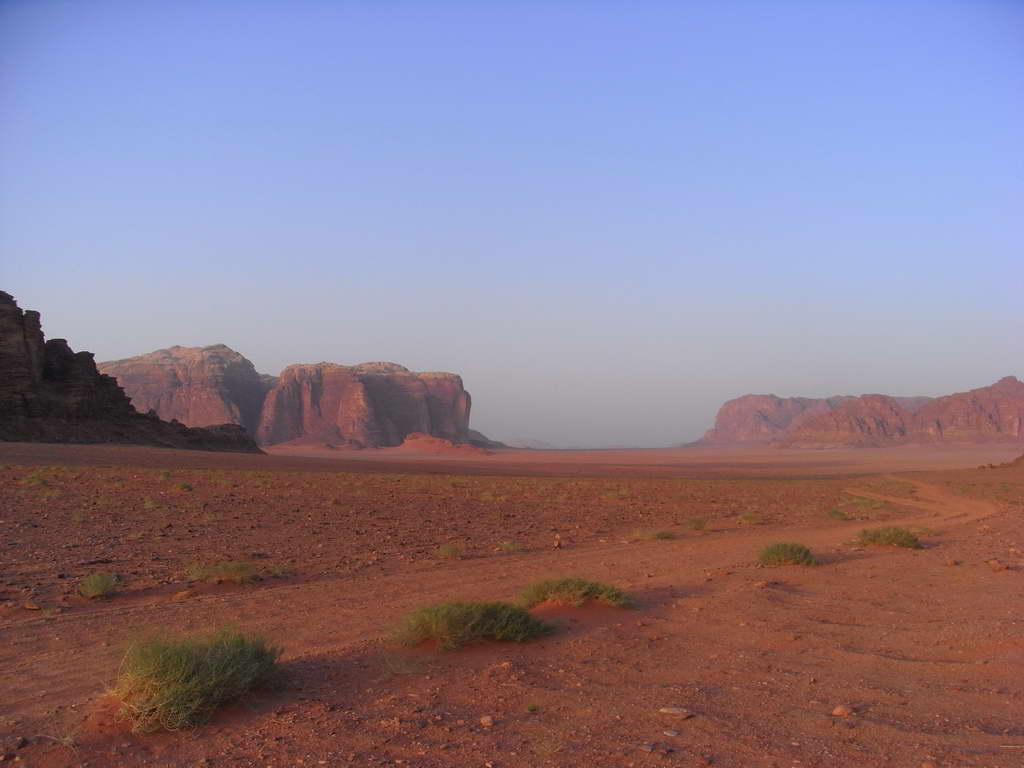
509	547
183	487
449	551
749	518
837	514
455	624
786	554
888	536
696	523
573	592
649	535
172	683
98	584
237	571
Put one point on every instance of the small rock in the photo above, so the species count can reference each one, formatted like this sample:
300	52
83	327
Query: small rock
685	714
842	711
558	542
671	733
929	765
952	562
185	594
646	747
487	721
28	605
997	565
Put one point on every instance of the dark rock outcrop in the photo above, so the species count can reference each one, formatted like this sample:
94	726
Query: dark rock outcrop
197	386
993	413
363	406
48	393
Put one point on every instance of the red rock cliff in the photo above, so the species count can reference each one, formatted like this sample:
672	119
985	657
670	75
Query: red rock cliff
368	405
198	386
993	413
49	393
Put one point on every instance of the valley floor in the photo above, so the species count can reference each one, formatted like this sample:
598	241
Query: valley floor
921	650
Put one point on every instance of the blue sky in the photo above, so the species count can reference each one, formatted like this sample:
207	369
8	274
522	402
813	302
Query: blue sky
609	217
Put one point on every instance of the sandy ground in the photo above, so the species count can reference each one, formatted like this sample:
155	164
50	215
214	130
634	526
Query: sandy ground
925	649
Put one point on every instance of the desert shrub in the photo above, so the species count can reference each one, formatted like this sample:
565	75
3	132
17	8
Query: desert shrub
183	487
98	584
449	551
696	523
173	682
455	624
649	535
237	571
749	518
785	554
837	514
571	591
509	546
889	536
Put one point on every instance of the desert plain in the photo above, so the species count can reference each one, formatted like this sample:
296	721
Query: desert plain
876	656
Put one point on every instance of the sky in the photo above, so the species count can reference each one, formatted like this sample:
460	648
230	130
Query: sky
608	217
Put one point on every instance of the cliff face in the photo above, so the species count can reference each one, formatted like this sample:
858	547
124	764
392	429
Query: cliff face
49	393
198	386
369	405
993	413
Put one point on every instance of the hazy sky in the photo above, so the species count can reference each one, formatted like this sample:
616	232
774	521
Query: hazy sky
609	217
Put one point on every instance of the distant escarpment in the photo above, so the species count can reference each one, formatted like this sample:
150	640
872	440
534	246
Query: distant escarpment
363	406
371	405
48	393
993	413
197	386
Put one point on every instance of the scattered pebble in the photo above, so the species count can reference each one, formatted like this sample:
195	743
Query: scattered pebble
842	711
676	712
487	721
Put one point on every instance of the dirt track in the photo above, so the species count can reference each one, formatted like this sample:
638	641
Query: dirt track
928	656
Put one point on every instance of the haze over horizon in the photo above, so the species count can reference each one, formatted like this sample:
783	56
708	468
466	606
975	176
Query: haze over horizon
608	219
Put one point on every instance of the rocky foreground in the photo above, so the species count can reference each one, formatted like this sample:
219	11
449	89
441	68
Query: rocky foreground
49	393
993	413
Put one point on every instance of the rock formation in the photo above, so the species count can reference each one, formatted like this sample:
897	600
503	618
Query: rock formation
359	406
197	386
993	413
363	406
48	393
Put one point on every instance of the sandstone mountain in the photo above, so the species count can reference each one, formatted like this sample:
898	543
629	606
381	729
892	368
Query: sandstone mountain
198	386
358	406
363	406
48	393
993	413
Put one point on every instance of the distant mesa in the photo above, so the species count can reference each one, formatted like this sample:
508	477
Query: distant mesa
198	386
49	393
371	405
988	414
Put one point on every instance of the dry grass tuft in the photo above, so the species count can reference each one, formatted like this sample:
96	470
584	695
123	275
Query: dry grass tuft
455	624
572	591
173	683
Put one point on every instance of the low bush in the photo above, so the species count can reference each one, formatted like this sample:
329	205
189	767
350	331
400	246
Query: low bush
786	554
237	571
98	584
449	552
454	624
837	514
509	547
889	536
173	683
696	523
571	591
649	535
